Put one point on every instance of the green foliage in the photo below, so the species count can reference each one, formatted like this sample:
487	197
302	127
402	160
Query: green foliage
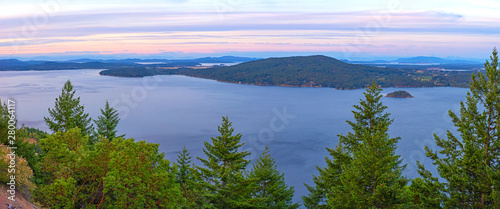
138	177
185	172
59	194
4	119
374	175
106	123
470	165
33	133
426	191
68	113
365	171
114	174
63	153
189	180
271	191
223	174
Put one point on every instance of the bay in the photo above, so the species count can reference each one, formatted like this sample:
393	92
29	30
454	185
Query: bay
296	123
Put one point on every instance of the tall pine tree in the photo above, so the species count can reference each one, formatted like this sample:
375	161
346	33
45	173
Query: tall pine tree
68	113
185	172
470	164
189	180
365	170
106	123
271	191
223	171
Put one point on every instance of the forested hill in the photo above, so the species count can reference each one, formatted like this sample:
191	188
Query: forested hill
310	71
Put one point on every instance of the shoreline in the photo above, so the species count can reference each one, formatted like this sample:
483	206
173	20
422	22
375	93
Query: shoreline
285	85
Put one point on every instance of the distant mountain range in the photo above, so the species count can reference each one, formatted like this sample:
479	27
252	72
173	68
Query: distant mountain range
424	59
424	63
225	59
15	62
418	60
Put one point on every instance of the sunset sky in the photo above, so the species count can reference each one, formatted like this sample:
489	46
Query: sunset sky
354	29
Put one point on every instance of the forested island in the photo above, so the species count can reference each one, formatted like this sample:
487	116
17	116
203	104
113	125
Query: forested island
399	94
309	71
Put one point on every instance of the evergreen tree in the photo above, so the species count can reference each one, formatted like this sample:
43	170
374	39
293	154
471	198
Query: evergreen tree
185	172
106	123
365	171
425	191
189	181
68	113
271	191
223	174
470	164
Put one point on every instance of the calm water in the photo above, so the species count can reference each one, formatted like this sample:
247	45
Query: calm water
296	123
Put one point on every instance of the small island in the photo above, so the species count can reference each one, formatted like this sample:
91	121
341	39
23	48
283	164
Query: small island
399	94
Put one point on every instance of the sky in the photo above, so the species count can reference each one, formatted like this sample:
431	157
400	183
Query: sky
354	29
